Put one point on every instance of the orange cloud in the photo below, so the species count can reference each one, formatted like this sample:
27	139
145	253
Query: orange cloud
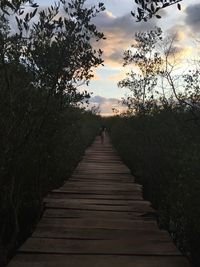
96	77
118	76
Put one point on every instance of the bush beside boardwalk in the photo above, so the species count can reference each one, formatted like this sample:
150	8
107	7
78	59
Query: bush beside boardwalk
163	152
42	166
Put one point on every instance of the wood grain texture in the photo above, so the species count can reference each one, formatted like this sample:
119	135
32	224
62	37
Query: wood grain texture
98	218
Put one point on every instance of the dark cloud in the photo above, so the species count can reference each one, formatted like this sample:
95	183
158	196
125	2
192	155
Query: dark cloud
125	23
193	17
120	32
117	55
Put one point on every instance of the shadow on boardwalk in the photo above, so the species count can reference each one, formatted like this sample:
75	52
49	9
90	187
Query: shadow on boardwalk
99	219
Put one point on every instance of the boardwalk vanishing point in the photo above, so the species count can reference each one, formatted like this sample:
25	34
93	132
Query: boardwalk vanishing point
98	218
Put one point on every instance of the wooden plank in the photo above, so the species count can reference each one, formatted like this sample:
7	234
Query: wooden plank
114	247
122	187
103	165
64	232
117	176
65	205
100	173
48	260
102	182
114	202
102	189
99	184
66	195
66	213
104	169
108	169
96	223
88	191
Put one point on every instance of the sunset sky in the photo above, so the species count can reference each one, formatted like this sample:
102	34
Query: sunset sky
119	28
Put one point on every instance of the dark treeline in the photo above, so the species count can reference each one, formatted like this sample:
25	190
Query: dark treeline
43	163
44	131
163	153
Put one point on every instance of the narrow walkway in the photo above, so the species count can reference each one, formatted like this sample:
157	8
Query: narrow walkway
99	219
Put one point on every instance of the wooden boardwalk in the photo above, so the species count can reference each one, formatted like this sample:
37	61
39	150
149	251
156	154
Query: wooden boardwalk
99	219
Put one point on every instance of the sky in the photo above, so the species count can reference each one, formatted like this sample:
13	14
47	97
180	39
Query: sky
119	28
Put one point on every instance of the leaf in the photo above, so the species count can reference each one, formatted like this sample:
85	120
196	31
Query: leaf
133	14
158	16
179	6
10	5
152	8
34	12
6	12
26	17
18	22
25	26
165	5
101	5
35	5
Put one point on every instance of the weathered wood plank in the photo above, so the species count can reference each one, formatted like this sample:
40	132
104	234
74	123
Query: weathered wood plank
98	218
66	213
98	183
116	176
96	223
122	187
64	205
99	233
49	260
114	247
62	194
88	191
114	202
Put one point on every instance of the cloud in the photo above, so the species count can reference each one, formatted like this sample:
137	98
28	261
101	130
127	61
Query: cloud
179	55
180	32
106	104
120	32
96	76
177	45
109	14
115	56
118	76
193	17
183	52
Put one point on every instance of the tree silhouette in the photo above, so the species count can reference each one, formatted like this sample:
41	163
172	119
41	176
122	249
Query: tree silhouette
142	55
149	8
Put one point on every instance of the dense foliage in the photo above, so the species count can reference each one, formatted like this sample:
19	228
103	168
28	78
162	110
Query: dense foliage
44	58
146	9
163	152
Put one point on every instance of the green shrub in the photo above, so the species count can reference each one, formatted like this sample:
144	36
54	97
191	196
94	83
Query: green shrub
163	152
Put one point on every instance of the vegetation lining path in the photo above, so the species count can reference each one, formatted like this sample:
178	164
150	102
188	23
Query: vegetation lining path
99	219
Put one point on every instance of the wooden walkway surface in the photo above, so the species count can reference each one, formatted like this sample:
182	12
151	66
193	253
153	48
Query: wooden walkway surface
98	219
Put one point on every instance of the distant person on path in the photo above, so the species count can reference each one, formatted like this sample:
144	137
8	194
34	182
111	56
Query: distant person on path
102	133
